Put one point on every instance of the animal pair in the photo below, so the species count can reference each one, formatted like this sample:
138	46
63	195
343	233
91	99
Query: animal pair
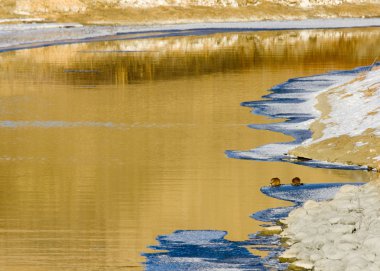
277	182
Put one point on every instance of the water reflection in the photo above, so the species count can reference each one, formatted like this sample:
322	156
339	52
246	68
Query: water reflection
78	193
133	61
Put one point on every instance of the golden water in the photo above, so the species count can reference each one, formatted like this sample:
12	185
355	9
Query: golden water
103	148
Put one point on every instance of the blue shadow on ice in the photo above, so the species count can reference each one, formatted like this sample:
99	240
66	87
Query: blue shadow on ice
209	250
202	250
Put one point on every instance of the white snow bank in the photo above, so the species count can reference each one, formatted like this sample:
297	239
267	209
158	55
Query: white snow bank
348	127
341	234
355	108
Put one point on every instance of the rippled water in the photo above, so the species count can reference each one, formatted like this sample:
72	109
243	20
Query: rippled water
106	146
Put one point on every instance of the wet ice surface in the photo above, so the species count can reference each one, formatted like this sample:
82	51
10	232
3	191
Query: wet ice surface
293	101
209	250
202	250
274	214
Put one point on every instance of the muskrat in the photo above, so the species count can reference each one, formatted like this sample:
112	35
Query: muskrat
275	182
296	181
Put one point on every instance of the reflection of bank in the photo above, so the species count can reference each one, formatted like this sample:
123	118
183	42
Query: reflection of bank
132	61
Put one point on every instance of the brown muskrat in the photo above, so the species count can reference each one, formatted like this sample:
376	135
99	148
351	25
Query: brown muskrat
296	181
275	182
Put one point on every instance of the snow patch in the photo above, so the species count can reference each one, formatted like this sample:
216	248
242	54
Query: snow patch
360	144
354	108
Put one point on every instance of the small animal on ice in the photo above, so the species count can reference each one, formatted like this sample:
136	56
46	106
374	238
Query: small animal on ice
274	182
296	181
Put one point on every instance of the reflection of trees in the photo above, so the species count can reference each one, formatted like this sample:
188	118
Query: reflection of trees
131	61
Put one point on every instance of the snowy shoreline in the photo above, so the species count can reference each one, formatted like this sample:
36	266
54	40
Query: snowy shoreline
295	101
340	234
347	129
25	36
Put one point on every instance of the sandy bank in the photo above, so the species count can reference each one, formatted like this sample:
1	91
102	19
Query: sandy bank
340	234
348	128
184	11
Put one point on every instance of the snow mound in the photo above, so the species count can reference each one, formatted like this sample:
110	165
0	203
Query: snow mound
340	234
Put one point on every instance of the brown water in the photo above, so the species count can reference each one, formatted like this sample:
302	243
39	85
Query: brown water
102	150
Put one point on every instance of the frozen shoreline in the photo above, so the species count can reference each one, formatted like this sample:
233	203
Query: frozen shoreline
341	234
24	36
295	102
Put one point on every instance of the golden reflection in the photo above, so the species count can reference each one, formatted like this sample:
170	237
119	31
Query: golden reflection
135	60
101	152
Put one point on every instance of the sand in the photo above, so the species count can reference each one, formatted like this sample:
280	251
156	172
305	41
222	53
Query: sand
109	12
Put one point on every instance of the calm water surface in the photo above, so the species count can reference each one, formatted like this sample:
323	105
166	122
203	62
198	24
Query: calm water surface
104	146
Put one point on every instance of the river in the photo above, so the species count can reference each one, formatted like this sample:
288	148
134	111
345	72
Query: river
106	145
